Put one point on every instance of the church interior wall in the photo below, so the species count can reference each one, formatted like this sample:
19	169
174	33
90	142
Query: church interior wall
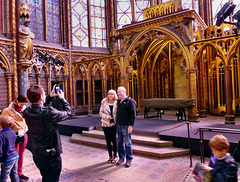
171	56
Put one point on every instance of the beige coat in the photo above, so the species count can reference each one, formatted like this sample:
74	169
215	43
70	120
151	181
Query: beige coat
19	120
105	113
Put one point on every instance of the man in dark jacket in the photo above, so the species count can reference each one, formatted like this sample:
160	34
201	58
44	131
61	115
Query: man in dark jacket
44	138
125	118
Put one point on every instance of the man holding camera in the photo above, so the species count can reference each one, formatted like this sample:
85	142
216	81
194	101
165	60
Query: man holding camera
44	138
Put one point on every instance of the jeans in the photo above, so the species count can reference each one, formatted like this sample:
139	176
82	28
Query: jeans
9	168
110	135
50	169
124	143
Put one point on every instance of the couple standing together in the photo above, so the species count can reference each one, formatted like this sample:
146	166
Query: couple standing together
118	109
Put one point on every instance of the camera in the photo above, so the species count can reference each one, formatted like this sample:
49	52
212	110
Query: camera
47	58
50	152
57	89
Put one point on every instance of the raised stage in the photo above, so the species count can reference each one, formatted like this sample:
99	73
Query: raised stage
167	129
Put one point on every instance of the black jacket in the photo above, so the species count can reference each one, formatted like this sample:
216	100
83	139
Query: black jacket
43	131
126	111
224	170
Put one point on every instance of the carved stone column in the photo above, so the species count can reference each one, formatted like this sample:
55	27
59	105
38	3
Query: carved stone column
9	77
65	79
23	67
104	89
192	112
93	90
83	91
89	96
229	117
202	111
38	78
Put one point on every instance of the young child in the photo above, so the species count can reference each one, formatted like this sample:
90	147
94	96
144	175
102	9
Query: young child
222	166
8	153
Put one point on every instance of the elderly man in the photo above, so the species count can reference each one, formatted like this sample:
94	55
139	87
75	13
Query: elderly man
125	118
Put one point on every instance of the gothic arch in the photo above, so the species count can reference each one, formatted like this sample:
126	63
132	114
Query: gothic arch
64	68
171	35
199	51
5	64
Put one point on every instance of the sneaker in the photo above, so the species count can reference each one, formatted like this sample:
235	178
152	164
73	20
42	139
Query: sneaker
119	162
128	164
23	178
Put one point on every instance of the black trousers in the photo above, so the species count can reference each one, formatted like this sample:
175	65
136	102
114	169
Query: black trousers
50	169
110	136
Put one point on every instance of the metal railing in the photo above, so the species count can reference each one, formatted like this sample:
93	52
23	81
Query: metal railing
212	129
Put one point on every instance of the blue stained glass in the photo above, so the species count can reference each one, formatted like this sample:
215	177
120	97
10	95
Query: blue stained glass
37	25
53	21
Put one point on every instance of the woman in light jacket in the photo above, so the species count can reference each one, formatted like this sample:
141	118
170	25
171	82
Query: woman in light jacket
108	111
15	110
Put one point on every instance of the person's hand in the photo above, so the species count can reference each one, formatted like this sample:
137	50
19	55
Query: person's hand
206	167
60	94
104	101
110	117
130	128
53	94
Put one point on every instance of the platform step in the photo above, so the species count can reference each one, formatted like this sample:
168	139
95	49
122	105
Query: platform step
136	139
136	132
149	151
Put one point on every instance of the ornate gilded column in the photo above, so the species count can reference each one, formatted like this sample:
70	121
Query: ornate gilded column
229	117
89	96
202	111
93	90
65	79
9	77
104	86
83	92
192	87
38	78
23	67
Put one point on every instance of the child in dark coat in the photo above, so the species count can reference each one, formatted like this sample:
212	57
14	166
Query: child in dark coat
222	166
8	154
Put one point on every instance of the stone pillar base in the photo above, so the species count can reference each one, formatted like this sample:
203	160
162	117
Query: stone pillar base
193	118
202	113
229	119
90	113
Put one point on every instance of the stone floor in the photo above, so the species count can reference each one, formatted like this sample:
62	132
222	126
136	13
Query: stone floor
88	164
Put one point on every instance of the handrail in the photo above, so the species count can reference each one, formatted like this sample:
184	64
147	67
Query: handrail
212	129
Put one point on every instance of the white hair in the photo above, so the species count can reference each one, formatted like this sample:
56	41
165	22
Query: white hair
122	88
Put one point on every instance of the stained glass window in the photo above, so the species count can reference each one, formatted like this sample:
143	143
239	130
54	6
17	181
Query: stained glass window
237	3
79	23
187	4
164	1
216	6
98	24
53	21
139	6
124	12
37	24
